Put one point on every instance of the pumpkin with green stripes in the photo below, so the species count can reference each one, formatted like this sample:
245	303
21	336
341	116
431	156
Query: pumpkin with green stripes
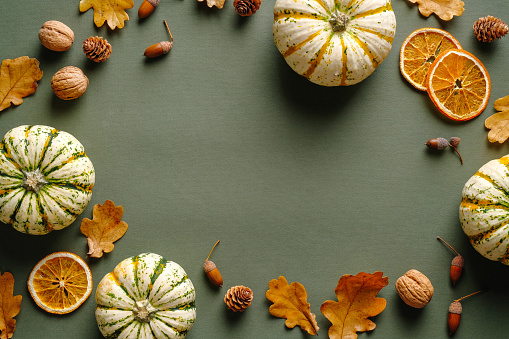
334	42
46	179
484	210
145	297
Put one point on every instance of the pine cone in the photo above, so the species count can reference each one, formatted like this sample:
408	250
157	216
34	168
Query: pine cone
97	49
489	28
246	7
238	298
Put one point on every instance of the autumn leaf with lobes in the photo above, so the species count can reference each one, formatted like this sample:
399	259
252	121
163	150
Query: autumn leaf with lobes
445	9
105	228
9	305
290	302
111	11
18	79
499	122
356	303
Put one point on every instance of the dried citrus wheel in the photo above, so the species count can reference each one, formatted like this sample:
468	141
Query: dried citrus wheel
419	50
459	84
60	282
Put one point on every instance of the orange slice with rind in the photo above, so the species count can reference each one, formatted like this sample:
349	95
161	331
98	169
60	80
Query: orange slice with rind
419	51
458	84
60	282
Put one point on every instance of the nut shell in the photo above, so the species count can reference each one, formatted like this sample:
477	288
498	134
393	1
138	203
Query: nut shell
69	83
415	289
56	36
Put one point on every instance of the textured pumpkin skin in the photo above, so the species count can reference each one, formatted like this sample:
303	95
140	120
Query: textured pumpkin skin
484	210
304	35
147	285
58	158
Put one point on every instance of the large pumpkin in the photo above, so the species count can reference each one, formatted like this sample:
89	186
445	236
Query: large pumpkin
334	43
484	210
46	179
145	297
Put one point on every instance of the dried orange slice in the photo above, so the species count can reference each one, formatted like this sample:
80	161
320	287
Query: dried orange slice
459	84
60	282
419	50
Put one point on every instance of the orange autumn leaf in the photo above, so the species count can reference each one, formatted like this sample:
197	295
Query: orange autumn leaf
111	11
356	303
9	305
445	9
290	302
498	123
18	79
105	228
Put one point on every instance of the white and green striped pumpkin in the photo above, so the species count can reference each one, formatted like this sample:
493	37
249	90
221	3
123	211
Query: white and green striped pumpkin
46	179
145	297
334	42
484	210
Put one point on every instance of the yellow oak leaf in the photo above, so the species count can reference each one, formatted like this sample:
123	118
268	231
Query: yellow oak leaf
111	11
105	228
18	79
445	9
499	122
356	303
290	302
9	305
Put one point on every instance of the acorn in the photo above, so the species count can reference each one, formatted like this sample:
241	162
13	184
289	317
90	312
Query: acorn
160	48
211	270
457	264
454	315
147	7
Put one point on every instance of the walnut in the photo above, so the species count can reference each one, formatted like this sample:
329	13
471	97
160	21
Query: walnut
56	36
69	83
415	289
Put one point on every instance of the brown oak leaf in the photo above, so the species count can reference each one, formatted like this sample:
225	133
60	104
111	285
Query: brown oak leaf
290	302
105	228
18	79
356	303
499	122
445	9
111	11
9	305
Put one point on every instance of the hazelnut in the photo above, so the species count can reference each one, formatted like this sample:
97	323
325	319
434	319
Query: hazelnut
56	36
69	83
415	289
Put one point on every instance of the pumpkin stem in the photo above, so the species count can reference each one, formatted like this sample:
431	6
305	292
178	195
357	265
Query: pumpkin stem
143	311
338	21
34	180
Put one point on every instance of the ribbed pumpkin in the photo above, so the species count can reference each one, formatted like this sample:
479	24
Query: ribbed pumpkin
145	297
484	210
46	179
334	43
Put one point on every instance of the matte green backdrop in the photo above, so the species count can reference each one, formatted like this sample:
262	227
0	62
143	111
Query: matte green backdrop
220	139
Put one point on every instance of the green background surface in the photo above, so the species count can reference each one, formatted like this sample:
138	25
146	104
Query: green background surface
220	139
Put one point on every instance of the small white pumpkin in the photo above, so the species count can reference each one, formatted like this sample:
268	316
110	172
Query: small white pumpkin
334	42
145	297
46	179
484	210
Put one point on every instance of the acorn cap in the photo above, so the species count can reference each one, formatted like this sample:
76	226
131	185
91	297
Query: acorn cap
209	266
455	307
458	261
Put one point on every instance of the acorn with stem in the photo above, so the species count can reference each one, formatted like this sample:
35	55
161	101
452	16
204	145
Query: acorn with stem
442	143
160	48
211	270
457	263
454	315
